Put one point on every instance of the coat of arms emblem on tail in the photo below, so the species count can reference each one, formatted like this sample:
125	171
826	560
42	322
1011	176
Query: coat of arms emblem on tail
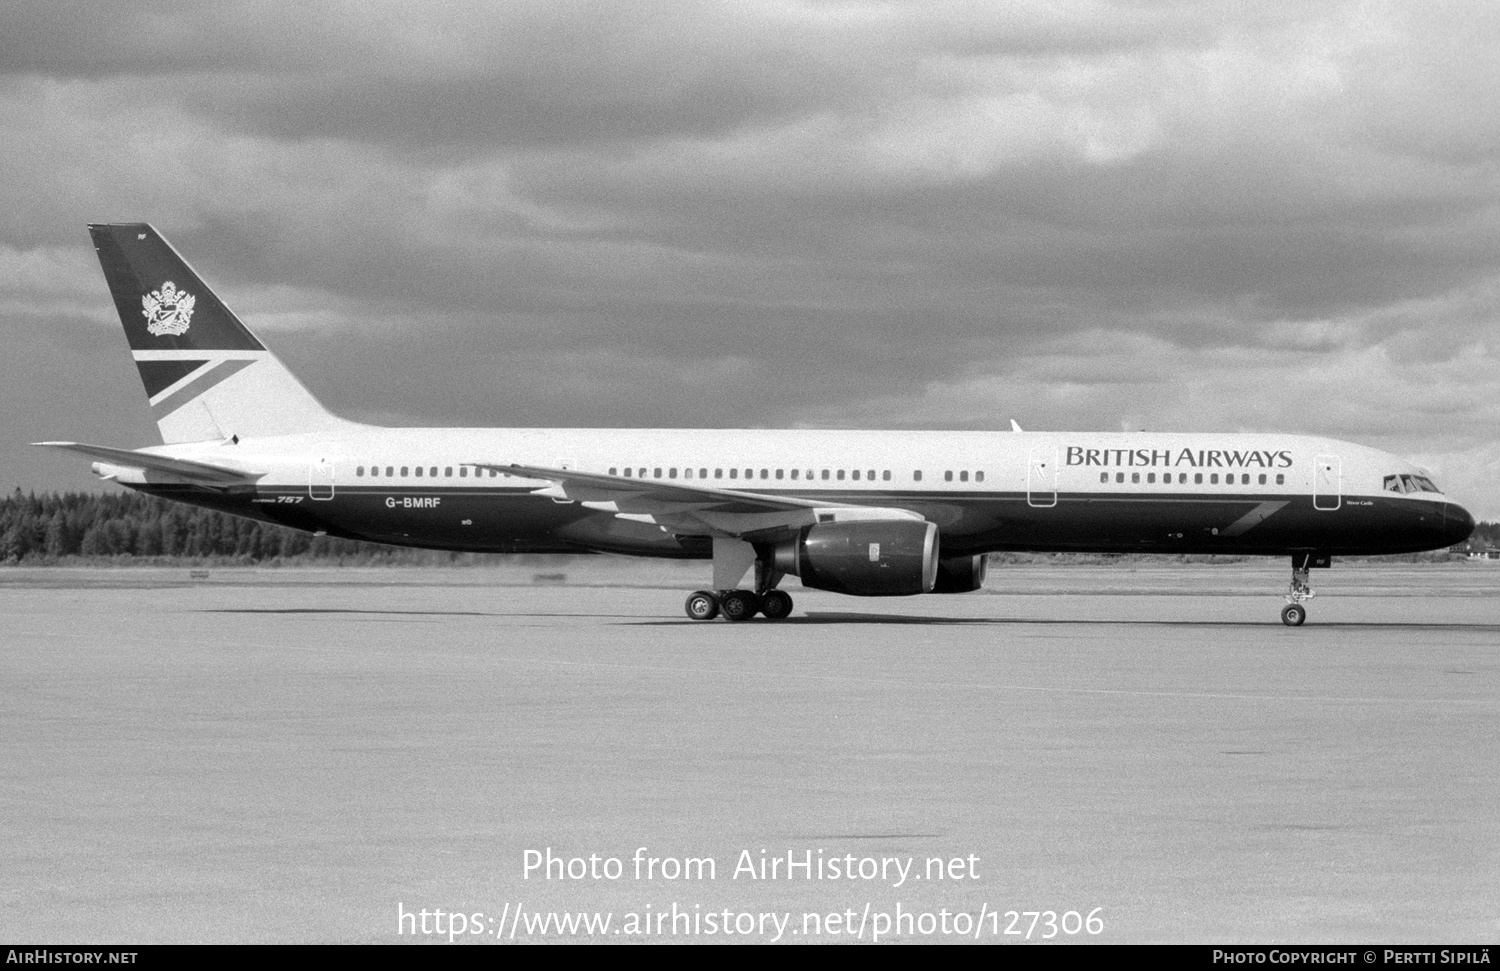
168	310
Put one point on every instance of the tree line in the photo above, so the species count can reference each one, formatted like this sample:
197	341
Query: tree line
47	528
39	529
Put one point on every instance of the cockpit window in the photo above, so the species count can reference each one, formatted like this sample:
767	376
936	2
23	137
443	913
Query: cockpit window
1409	483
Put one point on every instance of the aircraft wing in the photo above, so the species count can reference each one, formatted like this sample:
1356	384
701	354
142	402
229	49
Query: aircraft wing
691	509
202	472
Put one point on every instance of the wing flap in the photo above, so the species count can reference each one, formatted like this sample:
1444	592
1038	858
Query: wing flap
692	509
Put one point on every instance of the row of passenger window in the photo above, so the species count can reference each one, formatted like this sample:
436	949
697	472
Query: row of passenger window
1182	478
430	472
811	475
826	475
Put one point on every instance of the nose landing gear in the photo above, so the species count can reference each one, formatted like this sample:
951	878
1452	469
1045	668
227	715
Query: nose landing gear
1300	590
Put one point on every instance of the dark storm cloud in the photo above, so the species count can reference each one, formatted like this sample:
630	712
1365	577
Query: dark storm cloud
1102	214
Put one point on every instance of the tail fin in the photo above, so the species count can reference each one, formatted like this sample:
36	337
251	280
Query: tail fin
207	377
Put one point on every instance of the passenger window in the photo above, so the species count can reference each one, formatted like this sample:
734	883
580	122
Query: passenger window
656	473
404	471
360	472
702	473
825	475
963	476
1103	476
389	471
718	473
916	476
1150	478
463	472
433	472
1280	479
687	473
1119	476
795	472
749	473
1213	478
419	471
778	473
765	473
856	475
627	473
841	475
1197	478
448	472
978	476
612	470
886	475
870	475
1262	478
734	473
1135	478
948	476
672	472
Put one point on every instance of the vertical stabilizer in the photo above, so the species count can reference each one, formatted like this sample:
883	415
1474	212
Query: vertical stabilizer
206	376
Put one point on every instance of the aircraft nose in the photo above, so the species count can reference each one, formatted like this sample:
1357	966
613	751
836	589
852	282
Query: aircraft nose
1457	523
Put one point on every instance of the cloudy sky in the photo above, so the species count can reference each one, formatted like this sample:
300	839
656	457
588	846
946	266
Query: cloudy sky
1081	214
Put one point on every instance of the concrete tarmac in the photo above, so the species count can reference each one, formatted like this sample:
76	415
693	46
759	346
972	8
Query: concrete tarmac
308	754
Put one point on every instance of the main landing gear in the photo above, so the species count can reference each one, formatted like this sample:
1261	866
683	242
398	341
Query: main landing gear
1300	590
737	605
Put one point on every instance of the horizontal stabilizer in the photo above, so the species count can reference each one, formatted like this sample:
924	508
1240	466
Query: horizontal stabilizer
204	472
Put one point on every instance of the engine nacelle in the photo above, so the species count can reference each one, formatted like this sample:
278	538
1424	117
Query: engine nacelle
961	574
867	558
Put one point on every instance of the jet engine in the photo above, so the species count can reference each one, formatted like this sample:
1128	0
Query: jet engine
961	574
866	558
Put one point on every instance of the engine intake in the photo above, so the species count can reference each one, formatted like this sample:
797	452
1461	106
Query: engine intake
961	574
869	558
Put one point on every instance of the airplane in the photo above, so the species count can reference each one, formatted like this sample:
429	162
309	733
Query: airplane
865	513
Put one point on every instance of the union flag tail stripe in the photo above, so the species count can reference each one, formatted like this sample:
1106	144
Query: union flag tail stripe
158	376
208	379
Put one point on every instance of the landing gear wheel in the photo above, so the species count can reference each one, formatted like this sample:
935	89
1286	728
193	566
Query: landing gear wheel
1293	615
702	605
739	605
775	604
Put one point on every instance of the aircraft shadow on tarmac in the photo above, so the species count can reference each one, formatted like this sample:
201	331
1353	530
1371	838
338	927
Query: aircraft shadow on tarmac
831	617
351	610
814	619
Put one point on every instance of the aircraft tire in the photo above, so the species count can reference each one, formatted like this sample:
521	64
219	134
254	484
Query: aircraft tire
1293	615
776	605
702	605
738	605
